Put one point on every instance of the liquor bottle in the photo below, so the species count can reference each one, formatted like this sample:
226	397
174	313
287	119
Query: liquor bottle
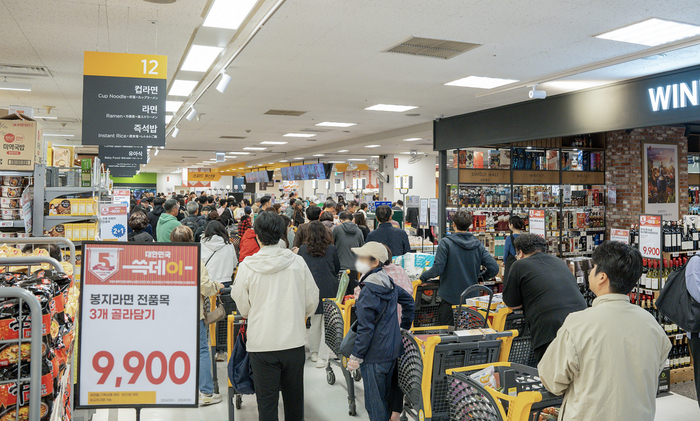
679	237
667	237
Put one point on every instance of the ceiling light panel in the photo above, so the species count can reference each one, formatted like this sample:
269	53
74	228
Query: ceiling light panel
273	143
228	14
253	148
652	32
182	87
413	139
343	150
299	135
372	146
335	124
200	58
391	108
480	82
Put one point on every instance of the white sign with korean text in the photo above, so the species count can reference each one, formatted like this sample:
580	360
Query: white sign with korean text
537	222
113	222
650	236
622	236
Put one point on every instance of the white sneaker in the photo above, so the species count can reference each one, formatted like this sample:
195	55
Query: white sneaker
314	356
321	363
206	400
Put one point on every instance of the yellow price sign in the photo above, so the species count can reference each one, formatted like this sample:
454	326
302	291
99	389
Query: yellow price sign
204	176
147	66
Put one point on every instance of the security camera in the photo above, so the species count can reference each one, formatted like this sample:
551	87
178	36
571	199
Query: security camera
535	94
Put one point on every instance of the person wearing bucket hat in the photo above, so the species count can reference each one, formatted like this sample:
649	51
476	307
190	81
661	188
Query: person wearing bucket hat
378	343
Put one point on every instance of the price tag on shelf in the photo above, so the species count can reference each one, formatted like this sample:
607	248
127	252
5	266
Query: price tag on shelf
537	222
622	236
680	336
139	326
6	224
650	236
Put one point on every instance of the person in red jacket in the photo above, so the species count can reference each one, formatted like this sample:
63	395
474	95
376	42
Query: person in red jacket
249	245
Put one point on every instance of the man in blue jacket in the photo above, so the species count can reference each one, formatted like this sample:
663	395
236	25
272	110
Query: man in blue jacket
458	263
395	238
378	343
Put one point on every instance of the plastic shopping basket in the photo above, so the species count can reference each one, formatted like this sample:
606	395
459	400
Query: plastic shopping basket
426	307
336	321
424	382
525	398
521	351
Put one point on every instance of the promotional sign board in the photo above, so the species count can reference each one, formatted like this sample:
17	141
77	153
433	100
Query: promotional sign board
434	208
113	221
413	201
121	196
124	99
423	213
622	236
139	326
203	176
377	203
650	236
115	154
536	221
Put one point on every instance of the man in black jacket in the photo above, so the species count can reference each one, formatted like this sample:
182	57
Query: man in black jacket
192	220
155	214
395	238
458	263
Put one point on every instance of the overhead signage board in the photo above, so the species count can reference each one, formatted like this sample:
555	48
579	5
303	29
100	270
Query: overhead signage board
116	154
203	176
132	298
124	99
126	169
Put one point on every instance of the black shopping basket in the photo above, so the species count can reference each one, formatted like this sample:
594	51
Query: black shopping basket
336	322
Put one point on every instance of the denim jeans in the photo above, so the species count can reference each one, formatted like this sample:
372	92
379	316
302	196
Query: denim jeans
377	382
206	381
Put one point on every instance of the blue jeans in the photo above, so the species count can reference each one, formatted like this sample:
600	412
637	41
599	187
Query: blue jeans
377	382
206	381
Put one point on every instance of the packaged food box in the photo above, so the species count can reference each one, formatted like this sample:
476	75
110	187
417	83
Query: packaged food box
7	235
22	143
60	207
11	181
68	231
11	214
11	191
62	157
9	203
22	235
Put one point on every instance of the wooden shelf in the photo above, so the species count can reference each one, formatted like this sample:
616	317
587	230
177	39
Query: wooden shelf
681	375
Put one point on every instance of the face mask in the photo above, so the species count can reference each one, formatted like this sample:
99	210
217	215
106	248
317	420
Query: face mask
362	267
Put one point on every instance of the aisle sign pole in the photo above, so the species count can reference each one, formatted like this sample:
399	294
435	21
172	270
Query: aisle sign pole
650	243
139	326
621	236
536	222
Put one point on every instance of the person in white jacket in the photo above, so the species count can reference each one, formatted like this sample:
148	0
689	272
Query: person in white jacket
275	290
218	254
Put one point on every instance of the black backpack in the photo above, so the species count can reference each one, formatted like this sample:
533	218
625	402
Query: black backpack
190	223
676	303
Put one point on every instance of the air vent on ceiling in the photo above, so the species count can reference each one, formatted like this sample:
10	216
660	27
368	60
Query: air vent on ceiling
18	70
430	47
231	137
290	113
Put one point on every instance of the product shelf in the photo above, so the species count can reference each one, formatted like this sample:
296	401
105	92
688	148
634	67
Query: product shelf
680	375
17	173
12	224
51	221
51	193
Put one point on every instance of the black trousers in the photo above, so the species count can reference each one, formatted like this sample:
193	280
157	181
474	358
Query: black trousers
539	352
446	316
275	372
353	283
694	343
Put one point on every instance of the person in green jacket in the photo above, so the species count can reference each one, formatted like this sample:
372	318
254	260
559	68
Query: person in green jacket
167	221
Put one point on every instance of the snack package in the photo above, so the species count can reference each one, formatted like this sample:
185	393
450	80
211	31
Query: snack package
486	377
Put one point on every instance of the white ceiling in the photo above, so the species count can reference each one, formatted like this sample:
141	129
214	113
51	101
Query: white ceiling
326	58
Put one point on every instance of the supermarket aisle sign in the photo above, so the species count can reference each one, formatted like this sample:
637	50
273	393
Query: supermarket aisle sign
650	236
536	222
130	354
113	221
622	236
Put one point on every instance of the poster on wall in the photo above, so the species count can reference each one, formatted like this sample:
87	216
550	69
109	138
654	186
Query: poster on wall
660	174
612	194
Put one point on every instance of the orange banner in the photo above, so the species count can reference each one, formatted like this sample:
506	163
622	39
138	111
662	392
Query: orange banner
146	66
203	176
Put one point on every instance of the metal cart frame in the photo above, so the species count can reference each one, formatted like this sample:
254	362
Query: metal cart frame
234	400
336	323
521	351
46	240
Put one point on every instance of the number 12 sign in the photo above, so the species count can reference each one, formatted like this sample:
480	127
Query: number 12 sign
139	324
650	236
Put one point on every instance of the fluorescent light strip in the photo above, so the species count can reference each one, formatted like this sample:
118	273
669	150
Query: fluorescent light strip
372	146
343	150
480	82
652	32
357	159
335	124
12	86
299	158
182	87
319	154
284	160
391	108
412	139
239	153
228	14
267	142
251	148
299	135
200	58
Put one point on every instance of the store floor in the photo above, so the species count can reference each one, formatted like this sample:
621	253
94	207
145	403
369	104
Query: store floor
325	403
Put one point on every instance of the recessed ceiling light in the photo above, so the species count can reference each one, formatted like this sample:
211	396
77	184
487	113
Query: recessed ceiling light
299	135
168	118
239	153
172	106
412	139
336	162
182	87
58	135
319	154
652	32
335	124
575	85
46	117
391	108
375	156
372	146
200	58
270	163
12	86
284	160
357	159
299	158
268	142
343	150
480	82
228	14
253	148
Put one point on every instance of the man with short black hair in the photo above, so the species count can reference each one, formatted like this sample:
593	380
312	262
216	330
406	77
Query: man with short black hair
227	215
352	207
167	221
265	202
155	214
313	213
395	238
290	209
276	278
330	206
202	201
458	263
544	287
607	359
398	205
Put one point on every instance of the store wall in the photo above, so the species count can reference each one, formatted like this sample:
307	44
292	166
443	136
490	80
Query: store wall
166	182
225	181
423	173
623	168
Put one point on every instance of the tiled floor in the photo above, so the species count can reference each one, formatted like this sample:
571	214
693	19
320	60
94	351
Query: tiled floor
329	403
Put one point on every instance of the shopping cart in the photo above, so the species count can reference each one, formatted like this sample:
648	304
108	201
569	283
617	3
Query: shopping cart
423	380
525	398
336	321
233	323
521	351
426	308
467	317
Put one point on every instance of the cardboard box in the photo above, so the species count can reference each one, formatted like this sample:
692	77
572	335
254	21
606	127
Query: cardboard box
60	207
91	206
91	228
75	206
68	231
22	143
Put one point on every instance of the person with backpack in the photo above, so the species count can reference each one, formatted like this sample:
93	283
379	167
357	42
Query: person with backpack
692	282
138	221
192	221
516	225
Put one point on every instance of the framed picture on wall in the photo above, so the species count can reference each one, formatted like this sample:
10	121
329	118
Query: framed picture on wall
660	180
